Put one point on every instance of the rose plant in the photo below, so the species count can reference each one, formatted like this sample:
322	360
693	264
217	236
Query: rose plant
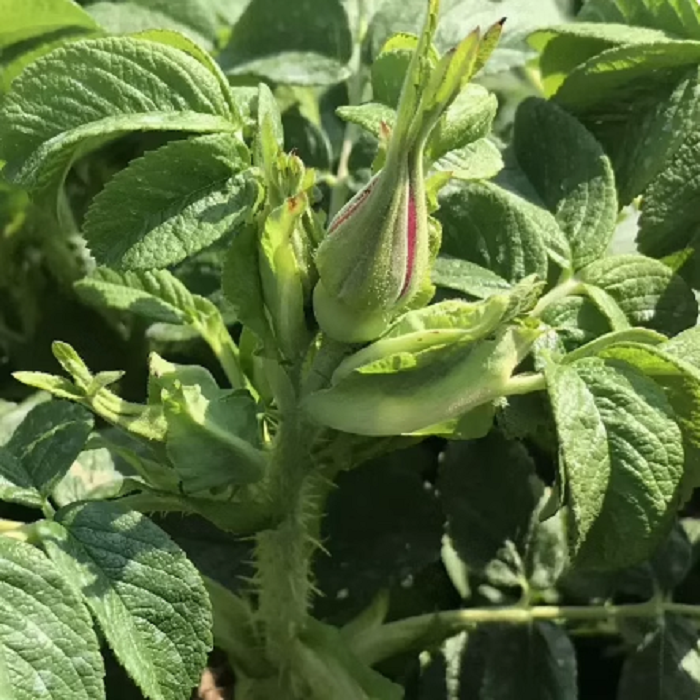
411	406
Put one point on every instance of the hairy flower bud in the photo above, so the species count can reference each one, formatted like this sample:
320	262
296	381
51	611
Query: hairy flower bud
376	253
375	259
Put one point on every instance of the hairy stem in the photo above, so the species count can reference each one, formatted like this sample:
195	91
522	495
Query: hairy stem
283	554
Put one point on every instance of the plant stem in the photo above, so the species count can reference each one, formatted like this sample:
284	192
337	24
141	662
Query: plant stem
283	554
226	351
525	384
567	288
379	643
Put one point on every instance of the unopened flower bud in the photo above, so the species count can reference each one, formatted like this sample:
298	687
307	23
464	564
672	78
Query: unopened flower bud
376	253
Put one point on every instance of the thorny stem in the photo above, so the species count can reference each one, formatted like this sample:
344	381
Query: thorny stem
283	554
378	643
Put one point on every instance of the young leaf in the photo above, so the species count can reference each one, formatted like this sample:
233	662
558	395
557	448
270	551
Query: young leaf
489	226
468	119
647	291
205	420
460	17
170	218
608	307
577	320
43	131
32	18
666	666
371	116
41	451
148	598
480	160
48	647
621	474
571	174
308	43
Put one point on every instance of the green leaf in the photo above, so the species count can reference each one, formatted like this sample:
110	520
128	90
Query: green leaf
679	17
205	420
564	47
32	18
102	89
666	665
464	276
571	174
647	291
371	116
48	647
153	294
390	66
680	381
669	217
41	451
171	218
616	72
149	600
498	230
198	15
269	138
621	460
306	43
686	345
468	119
643	149
608	307
480	160
132	17
577	320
